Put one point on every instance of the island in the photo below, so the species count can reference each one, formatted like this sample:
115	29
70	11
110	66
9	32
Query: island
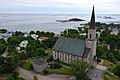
107	17
69	20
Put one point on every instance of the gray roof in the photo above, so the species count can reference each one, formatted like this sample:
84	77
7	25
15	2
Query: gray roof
39	62
86	53
71	46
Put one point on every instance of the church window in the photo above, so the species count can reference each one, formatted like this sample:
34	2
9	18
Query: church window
90	36
65	57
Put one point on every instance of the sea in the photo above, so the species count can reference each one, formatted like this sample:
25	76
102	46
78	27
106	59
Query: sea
47	22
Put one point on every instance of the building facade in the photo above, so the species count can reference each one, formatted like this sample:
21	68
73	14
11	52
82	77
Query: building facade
69	49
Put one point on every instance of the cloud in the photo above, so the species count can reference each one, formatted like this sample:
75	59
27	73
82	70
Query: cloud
60	4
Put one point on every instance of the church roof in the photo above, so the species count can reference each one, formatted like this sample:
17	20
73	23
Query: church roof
86	53
72	46
92	21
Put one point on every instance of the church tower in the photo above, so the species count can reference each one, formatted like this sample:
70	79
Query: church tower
91	40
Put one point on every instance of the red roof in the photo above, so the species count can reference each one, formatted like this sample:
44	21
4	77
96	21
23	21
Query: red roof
43	38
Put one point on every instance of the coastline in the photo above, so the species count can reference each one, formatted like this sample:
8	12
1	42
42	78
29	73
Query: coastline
47	22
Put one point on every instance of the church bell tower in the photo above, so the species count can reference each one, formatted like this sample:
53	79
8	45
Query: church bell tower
91	40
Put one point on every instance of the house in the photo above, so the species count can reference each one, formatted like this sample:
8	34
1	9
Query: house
43	38
115	31
5	35
23	44
39	65
34	36
26	35
69	49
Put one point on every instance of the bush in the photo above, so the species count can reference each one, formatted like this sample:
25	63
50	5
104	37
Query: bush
35	78
27	65
46	72
116	70
55	66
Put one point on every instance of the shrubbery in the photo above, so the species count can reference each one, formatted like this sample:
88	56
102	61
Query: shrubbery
55	66
27	65
116	70
46	72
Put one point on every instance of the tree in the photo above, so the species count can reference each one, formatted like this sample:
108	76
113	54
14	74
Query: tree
116	70
3	46
102	51
73	33
32	32
12	76
33	51
78	68
16	40
2	65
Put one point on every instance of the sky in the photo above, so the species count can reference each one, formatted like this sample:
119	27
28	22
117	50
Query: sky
60	6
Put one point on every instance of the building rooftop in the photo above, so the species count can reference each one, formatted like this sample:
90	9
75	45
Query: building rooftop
72	46
43	38
39	62
92	21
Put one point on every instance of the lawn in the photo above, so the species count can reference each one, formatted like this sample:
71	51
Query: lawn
27	65
49	53
62	70
107	63
110	76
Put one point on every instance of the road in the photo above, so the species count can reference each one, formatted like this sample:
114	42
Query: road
97	72
94	73
28	75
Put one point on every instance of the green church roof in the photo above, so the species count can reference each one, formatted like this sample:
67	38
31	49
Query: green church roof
72	46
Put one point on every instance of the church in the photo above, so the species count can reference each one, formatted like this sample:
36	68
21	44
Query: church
69	49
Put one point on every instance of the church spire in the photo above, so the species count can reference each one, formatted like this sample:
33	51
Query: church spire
92	21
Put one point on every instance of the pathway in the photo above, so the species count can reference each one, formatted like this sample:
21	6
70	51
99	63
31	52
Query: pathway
28	75
97	72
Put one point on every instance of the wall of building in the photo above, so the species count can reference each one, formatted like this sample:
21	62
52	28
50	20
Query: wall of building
92	34
92	46
65	57
39	68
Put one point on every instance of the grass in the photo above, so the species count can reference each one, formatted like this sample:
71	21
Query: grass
107	63
27	65
65	69
62	70
110	76
62	63
49	53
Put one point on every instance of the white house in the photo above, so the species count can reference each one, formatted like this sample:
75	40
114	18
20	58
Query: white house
115	31
5	35
26	35
23	44
34	36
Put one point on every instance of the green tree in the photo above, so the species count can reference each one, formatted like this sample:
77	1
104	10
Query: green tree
3	46
78	68
15	40
32	32
116	70
2	65
102	51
